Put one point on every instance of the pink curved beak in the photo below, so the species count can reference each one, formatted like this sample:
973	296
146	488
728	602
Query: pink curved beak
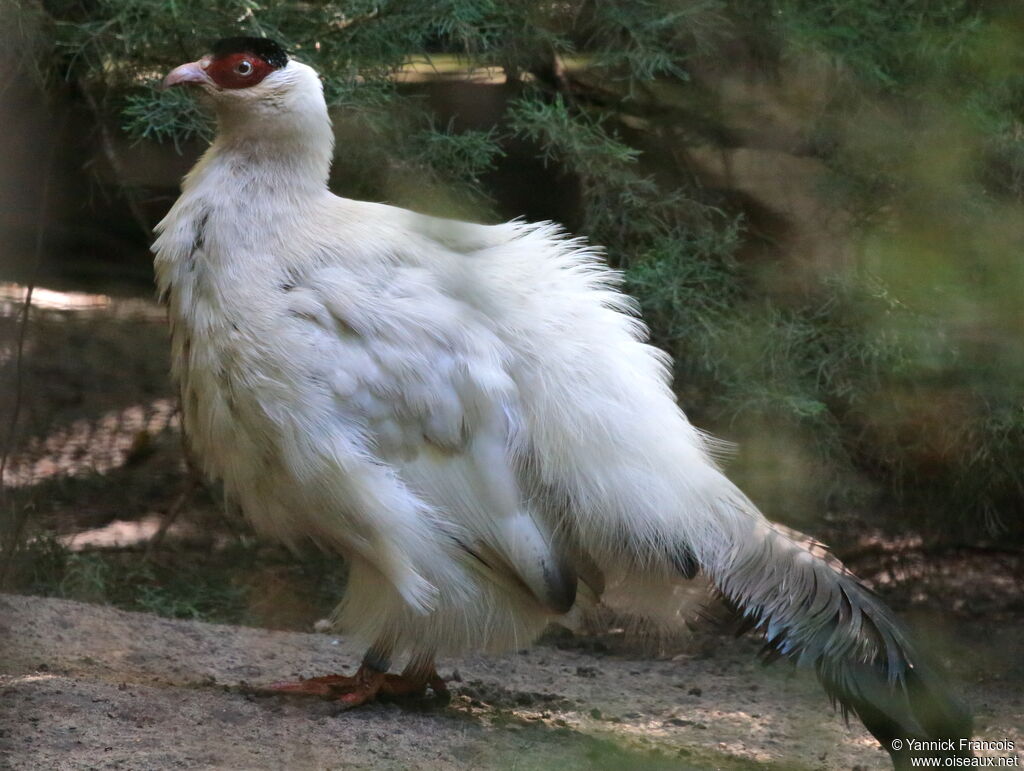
186	73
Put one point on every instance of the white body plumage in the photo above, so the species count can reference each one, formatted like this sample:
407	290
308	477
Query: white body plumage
467	413
392	385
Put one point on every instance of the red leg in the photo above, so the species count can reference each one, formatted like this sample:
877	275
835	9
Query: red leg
366	685
334	686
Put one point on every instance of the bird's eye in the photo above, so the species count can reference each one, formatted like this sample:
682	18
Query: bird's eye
244	68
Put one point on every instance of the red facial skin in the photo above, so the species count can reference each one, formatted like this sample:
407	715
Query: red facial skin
238	70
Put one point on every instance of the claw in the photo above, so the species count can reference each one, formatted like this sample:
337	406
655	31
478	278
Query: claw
327	687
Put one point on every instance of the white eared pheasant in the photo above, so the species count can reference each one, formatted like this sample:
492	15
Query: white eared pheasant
470	416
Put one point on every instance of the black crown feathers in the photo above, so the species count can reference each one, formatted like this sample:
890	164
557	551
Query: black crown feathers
271	52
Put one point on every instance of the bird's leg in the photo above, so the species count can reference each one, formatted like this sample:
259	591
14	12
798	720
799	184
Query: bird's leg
371	681
417	675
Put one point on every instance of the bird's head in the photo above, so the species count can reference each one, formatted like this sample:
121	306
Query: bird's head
237	70
253	83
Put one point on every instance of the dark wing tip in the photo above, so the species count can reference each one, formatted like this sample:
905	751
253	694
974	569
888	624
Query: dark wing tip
270	51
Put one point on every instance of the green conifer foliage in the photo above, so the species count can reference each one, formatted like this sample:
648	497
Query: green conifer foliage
893	377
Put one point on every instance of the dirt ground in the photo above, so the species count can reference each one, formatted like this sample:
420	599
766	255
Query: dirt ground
84	686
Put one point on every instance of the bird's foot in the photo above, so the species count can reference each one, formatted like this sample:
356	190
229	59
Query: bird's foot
365	685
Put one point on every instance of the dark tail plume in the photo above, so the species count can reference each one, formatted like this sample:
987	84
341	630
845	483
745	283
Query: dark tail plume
812	610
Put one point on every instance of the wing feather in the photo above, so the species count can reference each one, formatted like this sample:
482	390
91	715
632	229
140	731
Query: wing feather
427	379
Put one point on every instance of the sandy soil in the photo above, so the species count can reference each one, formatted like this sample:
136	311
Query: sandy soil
85	686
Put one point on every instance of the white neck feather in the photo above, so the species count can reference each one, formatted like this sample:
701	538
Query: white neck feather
283	140
261	175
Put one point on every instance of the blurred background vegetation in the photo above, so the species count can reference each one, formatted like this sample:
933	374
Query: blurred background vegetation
817	203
